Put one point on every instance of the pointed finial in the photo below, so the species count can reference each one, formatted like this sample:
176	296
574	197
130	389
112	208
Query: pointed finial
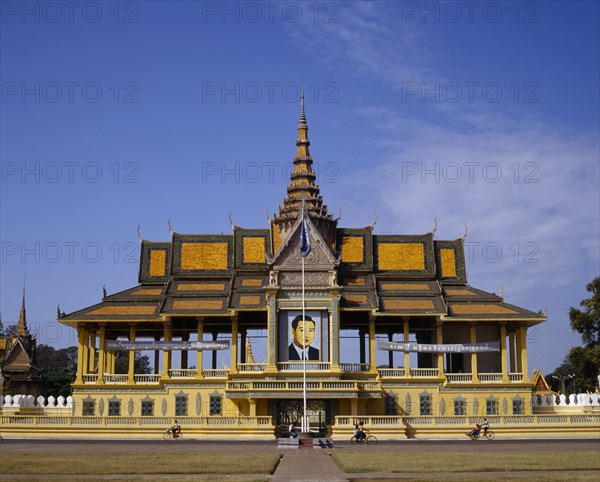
466	232
170	227
22	325
139	234
501	291
104	291
302	123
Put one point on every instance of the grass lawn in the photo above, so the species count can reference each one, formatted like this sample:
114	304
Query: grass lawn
169	463
426	462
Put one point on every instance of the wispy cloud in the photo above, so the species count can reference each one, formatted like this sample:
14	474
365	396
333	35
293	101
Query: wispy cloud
521	183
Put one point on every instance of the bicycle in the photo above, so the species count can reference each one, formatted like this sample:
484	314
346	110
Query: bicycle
170	435
488	435
368	439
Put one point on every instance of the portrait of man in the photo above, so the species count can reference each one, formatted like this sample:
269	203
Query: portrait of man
303	335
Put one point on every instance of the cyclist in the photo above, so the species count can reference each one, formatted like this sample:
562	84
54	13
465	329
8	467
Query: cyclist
485	426
176	429
359	432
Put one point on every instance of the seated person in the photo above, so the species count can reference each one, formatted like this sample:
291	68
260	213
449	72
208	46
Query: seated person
476	430
292	430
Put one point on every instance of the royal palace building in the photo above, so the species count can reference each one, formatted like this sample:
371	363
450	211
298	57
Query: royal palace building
452	351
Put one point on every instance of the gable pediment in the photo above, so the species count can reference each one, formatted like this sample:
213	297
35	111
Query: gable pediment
18	356
320	257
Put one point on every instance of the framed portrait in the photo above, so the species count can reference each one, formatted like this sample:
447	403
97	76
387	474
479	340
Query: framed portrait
303	338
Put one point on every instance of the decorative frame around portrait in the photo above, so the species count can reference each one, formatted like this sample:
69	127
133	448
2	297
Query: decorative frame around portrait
321	342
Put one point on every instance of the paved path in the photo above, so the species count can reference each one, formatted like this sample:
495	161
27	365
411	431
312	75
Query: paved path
308	465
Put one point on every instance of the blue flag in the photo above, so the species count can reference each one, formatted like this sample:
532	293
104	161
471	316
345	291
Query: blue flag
304	237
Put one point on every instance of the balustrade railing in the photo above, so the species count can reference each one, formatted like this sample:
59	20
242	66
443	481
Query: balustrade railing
147	378
355	367
515	377
251	367
119	378
183	373
391	372
222	373
298	366
90	377
459	377
294	385
127	421
424	372
490	377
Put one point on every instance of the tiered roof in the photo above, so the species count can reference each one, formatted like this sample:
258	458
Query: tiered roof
387	275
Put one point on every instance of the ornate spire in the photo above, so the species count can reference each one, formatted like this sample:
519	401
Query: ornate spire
302	186
22	325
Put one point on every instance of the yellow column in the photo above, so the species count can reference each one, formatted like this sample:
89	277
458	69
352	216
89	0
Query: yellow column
86	351
234	344
131	369
272	331
101	354
473	339
80	342
440	356
156	357
503	357
92	352
354	406
113	361
200	360
372	348
168	333
252	406
519	349
511	343
406	340
523	354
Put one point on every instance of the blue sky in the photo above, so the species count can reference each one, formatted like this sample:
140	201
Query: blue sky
116	114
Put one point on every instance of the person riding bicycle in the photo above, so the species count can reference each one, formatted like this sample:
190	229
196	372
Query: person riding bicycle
359	432
476	430
176	429
485	426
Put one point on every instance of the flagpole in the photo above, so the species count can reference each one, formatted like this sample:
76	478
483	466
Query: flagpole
305	427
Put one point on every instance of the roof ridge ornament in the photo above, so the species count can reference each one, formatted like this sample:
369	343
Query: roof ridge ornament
340	215
171	230
432	232
231	223
139	234
465	234
374	220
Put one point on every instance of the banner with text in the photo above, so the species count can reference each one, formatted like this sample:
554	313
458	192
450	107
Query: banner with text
166	345
434	348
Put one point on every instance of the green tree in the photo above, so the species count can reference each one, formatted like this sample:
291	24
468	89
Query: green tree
59	368
583	362
141	362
